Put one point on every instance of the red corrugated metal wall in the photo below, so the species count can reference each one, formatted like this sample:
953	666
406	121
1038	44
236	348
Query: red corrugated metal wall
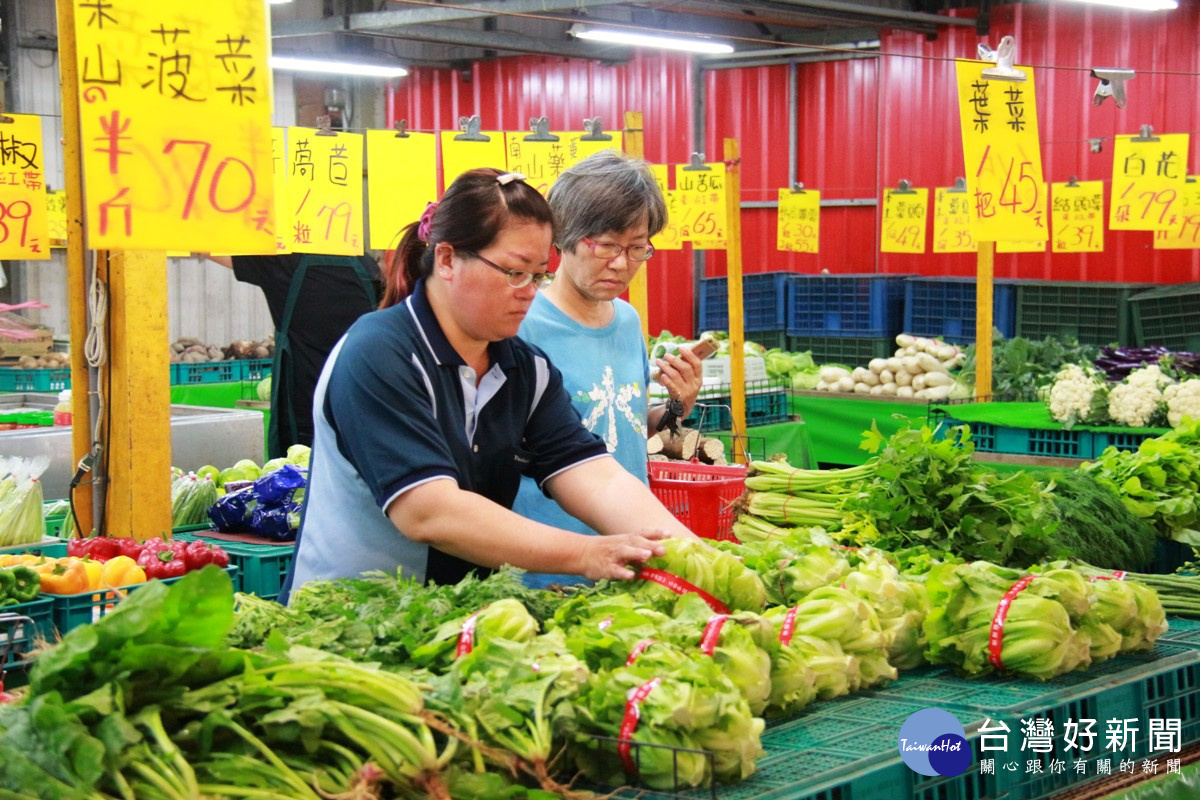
863	125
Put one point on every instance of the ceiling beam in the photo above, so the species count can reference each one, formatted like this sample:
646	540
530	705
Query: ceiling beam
382	20
506	40
844	10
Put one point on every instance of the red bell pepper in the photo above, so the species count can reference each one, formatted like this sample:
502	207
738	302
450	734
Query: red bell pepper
198	554
98	548
129	546
161	560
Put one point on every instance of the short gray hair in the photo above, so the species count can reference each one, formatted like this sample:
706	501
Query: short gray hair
607	191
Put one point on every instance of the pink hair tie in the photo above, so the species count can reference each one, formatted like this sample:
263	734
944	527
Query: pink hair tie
426	222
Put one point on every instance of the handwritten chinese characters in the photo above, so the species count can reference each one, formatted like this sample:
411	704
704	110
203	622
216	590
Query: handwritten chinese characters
799	221
700	195
325	190
952	222
175	123
24	225
1148	181
1077	217
1185	234
904	220
1002	155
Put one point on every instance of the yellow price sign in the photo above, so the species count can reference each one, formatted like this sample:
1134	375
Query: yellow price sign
1185	233
175	120
1077	217
1020	247
458	156
952	222
799	224
394	161
1002	154
56	217
701	196
283	211
904	220
24	226
325	191
541	162
1149	177
669	238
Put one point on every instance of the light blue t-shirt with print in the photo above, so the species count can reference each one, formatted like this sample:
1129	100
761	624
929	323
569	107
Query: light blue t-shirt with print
605	372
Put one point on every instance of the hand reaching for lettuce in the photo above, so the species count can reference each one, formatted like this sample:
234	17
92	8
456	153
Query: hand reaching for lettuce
611	556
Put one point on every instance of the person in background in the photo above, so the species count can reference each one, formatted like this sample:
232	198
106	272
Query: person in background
313	300
607	208
429	411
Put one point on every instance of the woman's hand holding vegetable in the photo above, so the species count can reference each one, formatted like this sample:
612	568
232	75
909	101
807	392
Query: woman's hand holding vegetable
682	375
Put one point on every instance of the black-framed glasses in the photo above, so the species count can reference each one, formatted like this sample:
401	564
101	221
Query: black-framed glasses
519	279
610	250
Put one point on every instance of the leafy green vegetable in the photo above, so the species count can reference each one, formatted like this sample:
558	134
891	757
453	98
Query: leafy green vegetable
1022	367
719	574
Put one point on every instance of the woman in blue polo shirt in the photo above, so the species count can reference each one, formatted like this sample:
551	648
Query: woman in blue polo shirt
430	410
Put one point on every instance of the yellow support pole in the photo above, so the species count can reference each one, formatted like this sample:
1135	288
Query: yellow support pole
639	295
733	258
983	320
81	415
139	417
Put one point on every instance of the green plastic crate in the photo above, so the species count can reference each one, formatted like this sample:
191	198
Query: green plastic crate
254	369
1092	313
14	379
768	339
73	610
262	568
1183	632
209	372
1168	316
842	349
49	547
1054	442
24	636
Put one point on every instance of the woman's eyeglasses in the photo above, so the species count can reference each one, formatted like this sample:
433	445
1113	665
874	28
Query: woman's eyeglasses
518	279
610	250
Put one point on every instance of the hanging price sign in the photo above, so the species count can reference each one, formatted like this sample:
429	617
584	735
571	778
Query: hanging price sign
175	119
1185	233
1149	176
799	221
669	237
56	217
458	156
541	162
701	196
952	222
1002	155
904	220
1077	217
283	211
325	191
24	228
394	161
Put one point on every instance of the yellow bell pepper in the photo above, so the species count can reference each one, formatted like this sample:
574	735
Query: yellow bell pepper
64	576
22	560
94	569
121	571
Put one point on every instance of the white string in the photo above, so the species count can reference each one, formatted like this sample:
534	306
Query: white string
94	347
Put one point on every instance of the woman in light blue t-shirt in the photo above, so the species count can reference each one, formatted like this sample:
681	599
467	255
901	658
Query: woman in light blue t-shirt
607	208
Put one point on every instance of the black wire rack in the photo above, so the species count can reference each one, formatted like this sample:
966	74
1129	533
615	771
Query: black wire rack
678	789
15	630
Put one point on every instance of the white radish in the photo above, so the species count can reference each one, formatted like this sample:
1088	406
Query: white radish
833	374
877	365
918	382
921	394
889	389
911	365
928	363
904	340
937	379
876	390
903	378
938	392
845	384
904	391
862	388
887	376
893	364
870	378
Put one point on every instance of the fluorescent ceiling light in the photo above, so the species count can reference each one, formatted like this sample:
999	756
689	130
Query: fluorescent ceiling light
297	64
648	40
277	2
1136	5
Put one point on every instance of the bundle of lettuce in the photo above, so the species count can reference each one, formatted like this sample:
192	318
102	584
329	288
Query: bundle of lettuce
679	722
985	618
690	566
268	507
457	638
793	566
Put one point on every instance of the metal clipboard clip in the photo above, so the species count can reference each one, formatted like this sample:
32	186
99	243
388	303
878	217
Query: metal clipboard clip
1003	57
797	188
401	126
696	163
1145	134
470	130
324	126
1112	84
959	187
541	130
904	187
595	131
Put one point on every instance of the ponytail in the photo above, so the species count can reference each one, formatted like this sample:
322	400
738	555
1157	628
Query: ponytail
411	260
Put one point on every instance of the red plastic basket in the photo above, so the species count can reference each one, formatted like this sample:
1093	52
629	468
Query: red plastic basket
699	495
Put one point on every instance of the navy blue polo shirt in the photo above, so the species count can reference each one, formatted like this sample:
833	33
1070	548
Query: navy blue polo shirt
395	407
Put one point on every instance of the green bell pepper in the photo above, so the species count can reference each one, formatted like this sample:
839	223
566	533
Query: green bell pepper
20	583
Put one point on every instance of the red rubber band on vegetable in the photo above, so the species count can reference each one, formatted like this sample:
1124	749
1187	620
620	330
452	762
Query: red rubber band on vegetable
788	629
633	715
712	633
466	637
996	635
679	586
1118	575
637	650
